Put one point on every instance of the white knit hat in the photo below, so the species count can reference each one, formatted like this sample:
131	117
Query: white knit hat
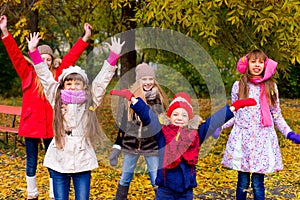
71	70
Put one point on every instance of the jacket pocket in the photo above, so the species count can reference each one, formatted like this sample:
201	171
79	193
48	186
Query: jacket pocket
27	113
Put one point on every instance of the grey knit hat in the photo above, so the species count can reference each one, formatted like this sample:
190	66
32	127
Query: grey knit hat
45	49
144	69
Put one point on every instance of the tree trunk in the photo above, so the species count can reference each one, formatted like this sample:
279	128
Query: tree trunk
128	60
34	17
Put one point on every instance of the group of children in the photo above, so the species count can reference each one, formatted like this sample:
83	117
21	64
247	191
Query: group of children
170	148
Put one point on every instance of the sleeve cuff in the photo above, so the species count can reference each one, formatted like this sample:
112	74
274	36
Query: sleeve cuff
113	58
35	56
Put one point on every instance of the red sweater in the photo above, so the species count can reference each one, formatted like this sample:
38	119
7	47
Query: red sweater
37	114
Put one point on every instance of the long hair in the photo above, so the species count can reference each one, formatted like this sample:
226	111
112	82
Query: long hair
138	91
245	79
92	129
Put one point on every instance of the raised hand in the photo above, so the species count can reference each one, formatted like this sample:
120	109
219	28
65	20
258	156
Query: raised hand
3	25
244	102
33	41
116	45
87	32
115	50
294	137
122	93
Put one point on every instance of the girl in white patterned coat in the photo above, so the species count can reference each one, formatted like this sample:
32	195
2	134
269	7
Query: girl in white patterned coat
71	153
252	147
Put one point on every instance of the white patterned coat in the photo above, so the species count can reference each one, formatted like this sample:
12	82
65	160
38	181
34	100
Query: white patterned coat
251	147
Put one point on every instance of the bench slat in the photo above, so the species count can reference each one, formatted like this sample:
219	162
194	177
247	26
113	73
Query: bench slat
13	110
8	129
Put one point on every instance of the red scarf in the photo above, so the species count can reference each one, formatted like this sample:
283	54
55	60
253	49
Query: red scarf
181	144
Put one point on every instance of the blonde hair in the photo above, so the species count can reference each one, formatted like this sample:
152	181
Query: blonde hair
138	91
269	84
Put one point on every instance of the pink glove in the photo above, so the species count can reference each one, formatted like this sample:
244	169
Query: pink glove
294	137
122	93
244	102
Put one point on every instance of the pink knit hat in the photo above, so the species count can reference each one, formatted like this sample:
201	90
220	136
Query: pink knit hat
270	66
144	69
181	100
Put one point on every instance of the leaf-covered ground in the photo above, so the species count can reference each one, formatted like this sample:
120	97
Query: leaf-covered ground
214	181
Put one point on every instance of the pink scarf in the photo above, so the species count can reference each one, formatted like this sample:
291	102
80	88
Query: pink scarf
72	97
266	118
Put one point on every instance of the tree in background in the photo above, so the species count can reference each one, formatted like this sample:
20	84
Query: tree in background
226	29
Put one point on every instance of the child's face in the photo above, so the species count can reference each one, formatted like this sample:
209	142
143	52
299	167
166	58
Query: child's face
73	85
256	66
47	58
179	117
147	82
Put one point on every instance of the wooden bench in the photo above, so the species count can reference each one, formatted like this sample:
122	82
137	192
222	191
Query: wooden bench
15	111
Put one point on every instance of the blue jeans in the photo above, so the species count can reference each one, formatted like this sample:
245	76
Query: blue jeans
61	185
32	147
257	185
165	193
129	164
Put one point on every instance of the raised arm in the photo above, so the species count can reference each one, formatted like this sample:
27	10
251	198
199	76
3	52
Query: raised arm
103	78
22	67
212	125
75	52
41	68
147	116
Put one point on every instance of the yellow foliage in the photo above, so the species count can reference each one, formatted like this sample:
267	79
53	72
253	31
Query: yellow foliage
214	181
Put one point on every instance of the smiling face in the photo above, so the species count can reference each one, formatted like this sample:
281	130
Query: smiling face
179	117
147	82
74	82
48	59
256	66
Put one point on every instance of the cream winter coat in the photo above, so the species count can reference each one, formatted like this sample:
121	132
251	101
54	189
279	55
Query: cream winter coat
77	155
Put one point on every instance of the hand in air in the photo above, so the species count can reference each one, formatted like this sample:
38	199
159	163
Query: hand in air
122	93
116	45
33	41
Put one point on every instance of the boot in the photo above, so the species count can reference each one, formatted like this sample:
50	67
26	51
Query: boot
32	190
51	192
122	192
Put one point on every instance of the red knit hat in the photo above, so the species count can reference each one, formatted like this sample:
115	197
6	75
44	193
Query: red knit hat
181	100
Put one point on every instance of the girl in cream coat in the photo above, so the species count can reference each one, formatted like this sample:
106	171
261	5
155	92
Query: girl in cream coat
71	152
